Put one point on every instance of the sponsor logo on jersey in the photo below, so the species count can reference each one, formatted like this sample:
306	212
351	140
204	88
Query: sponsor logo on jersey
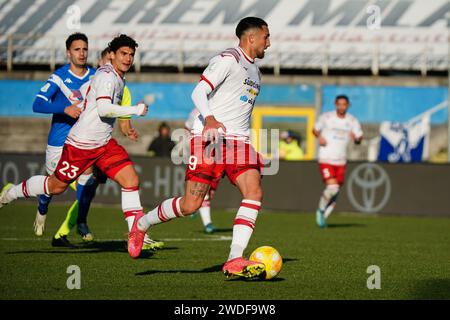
76	95
251	83
253	92
68	80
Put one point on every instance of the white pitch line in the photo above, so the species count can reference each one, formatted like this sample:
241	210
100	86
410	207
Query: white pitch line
221	238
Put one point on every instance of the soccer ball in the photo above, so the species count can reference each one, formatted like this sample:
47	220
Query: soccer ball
271	259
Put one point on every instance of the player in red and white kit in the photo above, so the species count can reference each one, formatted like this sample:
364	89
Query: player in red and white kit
90	140
225	97
334	130
205	209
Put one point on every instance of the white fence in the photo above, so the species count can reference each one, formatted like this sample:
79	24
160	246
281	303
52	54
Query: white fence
31	49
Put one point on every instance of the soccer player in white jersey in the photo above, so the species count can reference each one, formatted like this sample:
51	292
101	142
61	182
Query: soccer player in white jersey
89	141
225	97
128	131
334	130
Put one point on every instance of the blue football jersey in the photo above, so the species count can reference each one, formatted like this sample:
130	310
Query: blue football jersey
61	90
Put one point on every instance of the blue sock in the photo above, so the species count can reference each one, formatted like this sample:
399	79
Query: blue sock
43	203
85	194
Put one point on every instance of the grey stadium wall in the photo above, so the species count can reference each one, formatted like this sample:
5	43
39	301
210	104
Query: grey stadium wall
400	189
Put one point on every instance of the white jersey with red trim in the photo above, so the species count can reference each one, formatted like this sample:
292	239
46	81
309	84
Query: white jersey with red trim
235	82
336	132
92	131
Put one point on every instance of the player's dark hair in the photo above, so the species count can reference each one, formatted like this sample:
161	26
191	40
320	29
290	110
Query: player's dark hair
163	125
122	41
342	96
249	23
74	37
105	52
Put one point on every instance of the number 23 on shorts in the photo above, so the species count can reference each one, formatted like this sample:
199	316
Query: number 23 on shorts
68	170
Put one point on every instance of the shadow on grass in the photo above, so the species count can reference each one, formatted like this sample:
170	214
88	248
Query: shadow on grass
216	268
432	289
222	230
217	230
261	279
345	225
93	247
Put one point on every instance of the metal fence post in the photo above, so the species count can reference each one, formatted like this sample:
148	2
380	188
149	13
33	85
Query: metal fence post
181	57
376	59
276	67
10	50
137	62
424	60
325	60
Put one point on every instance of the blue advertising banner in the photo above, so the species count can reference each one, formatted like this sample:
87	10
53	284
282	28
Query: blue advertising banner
170	101
372	104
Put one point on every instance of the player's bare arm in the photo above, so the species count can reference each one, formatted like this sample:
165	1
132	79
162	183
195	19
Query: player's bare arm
211	129
73	110
322	140
356	140
127	130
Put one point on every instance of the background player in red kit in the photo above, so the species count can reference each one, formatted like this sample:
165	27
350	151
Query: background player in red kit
334	130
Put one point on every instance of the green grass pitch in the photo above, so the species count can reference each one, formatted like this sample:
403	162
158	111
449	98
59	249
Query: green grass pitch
413	255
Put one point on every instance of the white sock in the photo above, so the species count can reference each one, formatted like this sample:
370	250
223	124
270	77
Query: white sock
129	218
243	227
205	211
330	191
166	211
131	204
329	209
32	187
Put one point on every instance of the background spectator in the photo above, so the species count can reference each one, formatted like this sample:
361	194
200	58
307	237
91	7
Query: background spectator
290	146
162	145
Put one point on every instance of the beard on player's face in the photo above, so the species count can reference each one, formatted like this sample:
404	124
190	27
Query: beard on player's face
260	54
261	43
78	53
341	109
77	57
79	63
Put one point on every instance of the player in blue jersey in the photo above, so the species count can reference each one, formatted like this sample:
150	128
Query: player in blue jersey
61	96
